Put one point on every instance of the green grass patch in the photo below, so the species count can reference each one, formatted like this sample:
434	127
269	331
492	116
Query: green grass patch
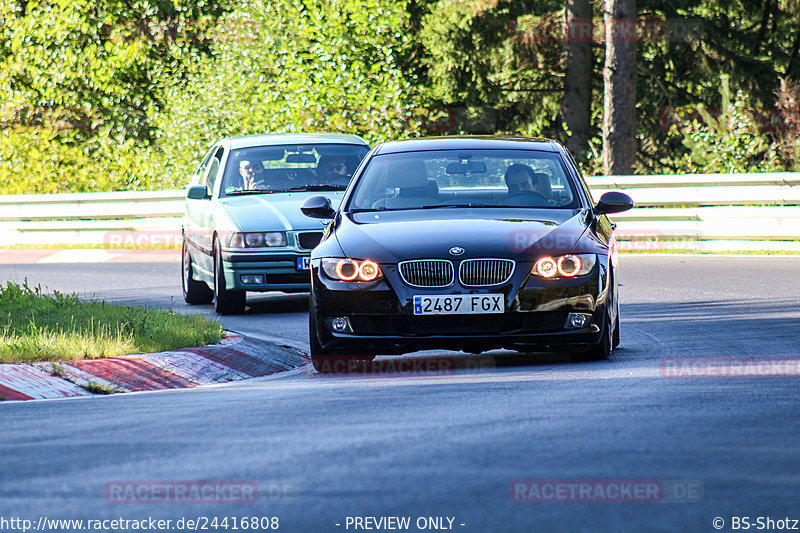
42	327
95	387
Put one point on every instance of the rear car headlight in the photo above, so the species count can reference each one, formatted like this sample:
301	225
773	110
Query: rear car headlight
564	266
341	269
258	240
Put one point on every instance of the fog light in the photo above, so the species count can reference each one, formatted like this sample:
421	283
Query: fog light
578	320
339	324
252	279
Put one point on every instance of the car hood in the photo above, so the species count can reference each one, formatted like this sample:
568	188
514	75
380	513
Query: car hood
274	212
389	237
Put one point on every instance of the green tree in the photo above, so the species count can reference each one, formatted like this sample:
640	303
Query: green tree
496	55
80	82
729	142
289	66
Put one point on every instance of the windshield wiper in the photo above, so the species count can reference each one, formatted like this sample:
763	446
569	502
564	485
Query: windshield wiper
252	191
368	210
443	206
319	187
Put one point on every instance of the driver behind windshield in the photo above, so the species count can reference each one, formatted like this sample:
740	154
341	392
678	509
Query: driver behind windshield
521	179
253	175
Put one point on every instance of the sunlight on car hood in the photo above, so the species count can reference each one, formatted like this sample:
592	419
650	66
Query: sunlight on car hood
277	211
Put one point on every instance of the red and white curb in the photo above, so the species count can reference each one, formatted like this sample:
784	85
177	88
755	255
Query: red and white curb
15	257
235	358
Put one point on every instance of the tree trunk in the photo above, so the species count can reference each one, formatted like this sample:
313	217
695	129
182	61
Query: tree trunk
619	80
576	107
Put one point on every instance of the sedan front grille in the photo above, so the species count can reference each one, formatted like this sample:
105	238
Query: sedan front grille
427	272
310	240
485	272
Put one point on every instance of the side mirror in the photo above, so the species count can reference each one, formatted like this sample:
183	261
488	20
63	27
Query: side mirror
613	202
197	192
318	207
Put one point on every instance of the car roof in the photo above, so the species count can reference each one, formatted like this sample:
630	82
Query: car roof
476	142
249	141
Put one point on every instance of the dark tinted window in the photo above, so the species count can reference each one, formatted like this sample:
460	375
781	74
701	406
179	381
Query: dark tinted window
501	178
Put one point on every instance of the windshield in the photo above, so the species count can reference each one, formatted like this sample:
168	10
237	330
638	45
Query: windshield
265	169
464	178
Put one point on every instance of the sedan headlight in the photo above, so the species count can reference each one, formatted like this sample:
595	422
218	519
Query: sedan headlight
258	240
341	269
564	266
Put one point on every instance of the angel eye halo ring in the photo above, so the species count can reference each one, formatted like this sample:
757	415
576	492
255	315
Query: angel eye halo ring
347	269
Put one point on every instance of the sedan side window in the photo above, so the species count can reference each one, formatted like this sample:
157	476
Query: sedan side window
199	175
213	171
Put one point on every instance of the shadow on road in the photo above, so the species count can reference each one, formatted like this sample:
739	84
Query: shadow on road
276	303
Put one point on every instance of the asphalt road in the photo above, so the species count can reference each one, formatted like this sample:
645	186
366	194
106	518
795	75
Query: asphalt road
465	445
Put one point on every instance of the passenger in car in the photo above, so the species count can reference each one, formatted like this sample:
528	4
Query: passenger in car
331	170
253	175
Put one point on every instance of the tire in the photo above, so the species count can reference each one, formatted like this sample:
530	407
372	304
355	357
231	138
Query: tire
615	338
324	361
610	338
225	302
194	292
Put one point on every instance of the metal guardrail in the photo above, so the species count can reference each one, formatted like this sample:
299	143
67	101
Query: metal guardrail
692	211
113	219
708	212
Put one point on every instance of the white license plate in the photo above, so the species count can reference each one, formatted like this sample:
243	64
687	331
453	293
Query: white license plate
459	304
303	263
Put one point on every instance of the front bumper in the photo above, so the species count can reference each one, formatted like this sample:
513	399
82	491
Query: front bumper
381	319
279	270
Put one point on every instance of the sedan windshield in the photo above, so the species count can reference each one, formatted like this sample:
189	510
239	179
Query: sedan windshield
290	168
464	178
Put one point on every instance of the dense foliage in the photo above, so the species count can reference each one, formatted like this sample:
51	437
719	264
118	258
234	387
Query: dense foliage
127	94
286	66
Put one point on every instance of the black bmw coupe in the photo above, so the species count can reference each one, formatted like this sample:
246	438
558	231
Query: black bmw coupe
465	243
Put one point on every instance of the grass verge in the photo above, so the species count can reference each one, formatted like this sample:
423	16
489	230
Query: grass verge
41	327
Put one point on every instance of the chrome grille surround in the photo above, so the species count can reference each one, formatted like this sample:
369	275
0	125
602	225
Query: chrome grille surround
485	272
427	272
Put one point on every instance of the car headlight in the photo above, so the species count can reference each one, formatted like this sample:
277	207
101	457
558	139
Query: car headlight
257	240
341	269
564	266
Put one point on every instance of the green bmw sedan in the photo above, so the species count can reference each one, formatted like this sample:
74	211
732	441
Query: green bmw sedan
243	229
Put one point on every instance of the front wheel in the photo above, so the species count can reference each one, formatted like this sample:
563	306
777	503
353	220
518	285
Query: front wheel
225	302
194	292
